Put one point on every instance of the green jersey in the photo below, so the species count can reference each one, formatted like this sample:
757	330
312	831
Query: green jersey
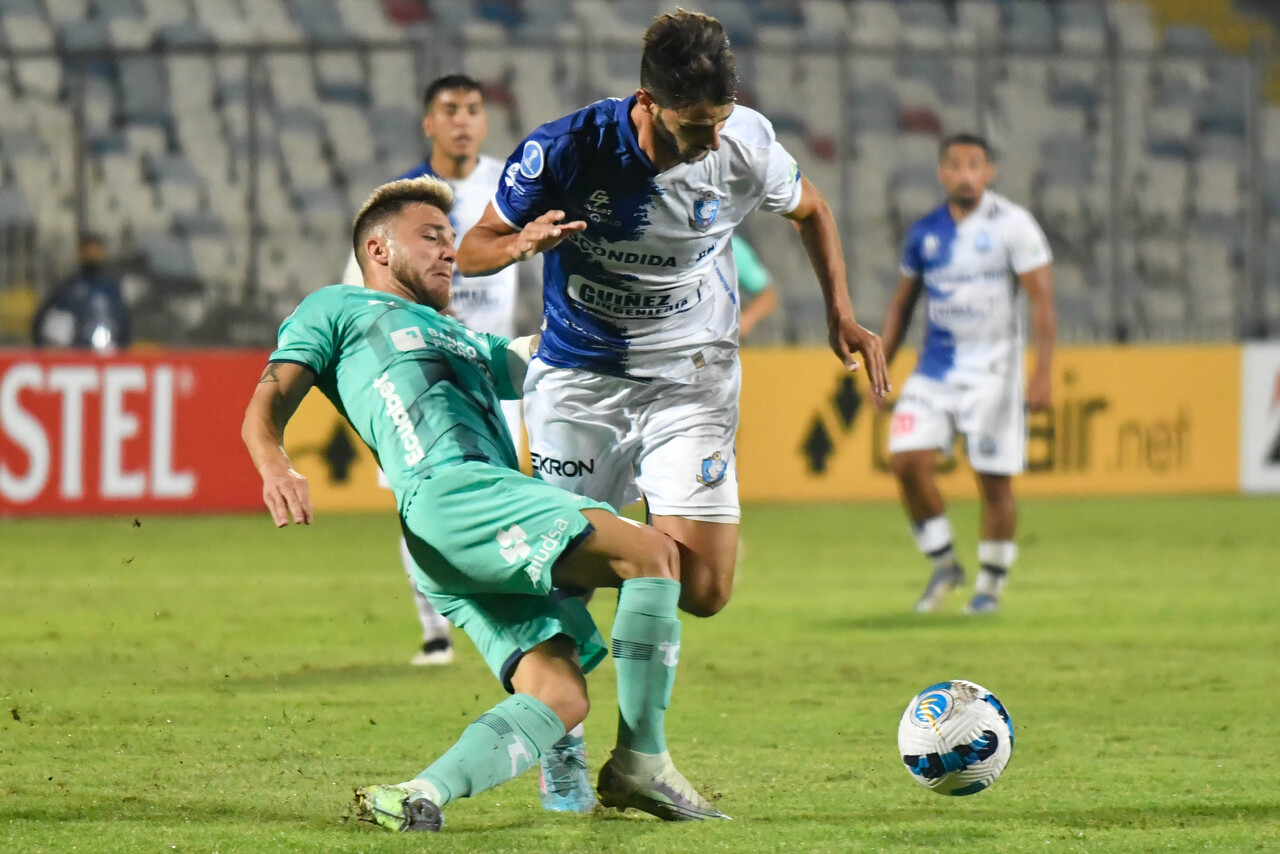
420	388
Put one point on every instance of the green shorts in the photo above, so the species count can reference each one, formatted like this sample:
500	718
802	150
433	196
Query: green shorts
485	539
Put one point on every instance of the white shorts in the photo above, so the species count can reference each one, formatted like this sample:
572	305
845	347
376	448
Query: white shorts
989	412
612	439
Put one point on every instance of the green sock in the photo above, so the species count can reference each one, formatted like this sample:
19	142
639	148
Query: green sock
503	743
646	647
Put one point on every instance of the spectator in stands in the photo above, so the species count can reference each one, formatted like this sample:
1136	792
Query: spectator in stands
755	280
87	310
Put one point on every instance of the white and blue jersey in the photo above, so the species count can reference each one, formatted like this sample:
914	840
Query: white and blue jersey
482	303
649	288
973	305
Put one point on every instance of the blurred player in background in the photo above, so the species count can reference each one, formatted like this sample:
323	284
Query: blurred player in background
755	280
455	123
488	542
977	259
635	385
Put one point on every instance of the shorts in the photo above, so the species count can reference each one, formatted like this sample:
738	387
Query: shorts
614	439
485	539
989	411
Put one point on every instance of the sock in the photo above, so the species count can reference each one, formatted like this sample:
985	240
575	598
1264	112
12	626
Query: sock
433	625
503	743
646	648
995	557
933	538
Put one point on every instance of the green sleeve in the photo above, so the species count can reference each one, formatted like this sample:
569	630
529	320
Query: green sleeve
500	367
308	336
752	276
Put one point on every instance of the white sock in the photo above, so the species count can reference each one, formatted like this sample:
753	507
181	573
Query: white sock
933	539
432	793
639	764
577	732
433	625
995	557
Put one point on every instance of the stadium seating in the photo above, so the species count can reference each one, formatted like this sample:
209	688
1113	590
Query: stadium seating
177	96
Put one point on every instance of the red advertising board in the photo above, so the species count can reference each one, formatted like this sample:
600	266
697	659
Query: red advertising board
155	432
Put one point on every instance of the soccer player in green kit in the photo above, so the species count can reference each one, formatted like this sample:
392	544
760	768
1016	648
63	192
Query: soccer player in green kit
422	391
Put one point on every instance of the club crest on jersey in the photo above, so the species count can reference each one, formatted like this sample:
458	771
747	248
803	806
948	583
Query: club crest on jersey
930	246
531	160
982	242
705	209
713	470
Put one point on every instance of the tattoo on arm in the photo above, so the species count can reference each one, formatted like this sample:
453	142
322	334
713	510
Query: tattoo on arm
270	375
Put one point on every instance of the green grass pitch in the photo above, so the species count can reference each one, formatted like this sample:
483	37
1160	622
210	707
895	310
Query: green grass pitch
212	684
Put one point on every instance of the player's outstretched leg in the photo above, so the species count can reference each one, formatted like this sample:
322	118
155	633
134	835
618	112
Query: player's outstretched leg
646	649
437	644
501	744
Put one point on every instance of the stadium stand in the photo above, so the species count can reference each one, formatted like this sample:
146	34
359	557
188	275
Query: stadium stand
226	143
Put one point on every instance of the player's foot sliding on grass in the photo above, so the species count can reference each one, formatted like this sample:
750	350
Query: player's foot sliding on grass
488	543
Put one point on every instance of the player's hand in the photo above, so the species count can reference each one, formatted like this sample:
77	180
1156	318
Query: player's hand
287	494
544	233
1039	392
848	337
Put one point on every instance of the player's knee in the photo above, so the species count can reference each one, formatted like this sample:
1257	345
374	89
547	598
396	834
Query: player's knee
705	601
569	701
659	558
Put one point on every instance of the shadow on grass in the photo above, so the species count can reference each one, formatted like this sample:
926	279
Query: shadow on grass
315	677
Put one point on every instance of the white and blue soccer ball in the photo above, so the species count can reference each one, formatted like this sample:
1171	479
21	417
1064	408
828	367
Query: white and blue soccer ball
955	738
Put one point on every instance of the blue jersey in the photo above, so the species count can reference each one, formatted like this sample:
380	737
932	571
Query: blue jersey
649	288
973	305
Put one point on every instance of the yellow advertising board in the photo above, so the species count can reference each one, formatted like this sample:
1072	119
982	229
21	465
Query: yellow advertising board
1124	420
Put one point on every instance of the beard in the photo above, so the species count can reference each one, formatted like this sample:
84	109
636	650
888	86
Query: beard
413	282
663	135
965	199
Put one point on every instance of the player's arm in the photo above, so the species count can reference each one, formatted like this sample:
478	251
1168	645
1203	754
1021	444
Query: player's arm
493	243
821	237
510	362
898	318
281	388
1038	284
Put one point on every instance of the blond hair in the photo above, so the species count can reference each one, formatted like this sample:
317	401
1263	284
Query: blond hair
391	198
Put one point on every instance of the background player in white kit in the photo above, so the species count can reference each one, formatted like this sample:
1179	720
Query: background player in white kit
455	123
634	201
974	258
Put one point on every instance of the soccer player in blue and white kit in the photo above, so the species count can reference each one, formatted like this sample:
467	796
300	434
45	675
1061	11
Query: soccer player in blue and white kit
977	259
455	122
633	201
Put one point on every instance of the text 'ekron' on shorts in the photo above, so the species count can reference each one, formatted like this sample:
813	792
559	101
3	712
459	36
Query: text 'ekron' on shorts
485	539
613	438
989	411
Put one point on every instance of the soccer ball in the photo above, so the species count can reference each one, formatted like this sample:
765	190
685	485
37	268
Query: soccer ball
955	738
